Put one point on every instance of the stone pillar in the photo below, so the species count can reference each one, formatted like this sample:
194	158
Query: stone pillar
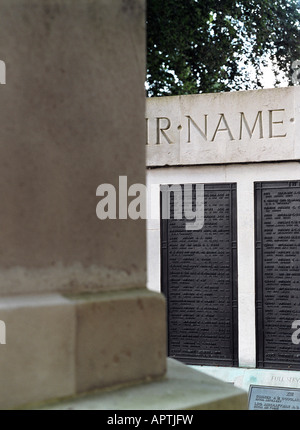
73	295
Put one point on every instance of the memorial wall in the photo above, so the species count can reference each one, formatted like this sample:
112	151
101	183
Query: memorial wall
235	281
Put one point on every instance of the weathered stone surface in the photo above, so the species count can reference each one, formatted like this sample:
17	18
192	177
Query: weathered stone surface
120	338
37	361
182	389
235	127
71	118
59	346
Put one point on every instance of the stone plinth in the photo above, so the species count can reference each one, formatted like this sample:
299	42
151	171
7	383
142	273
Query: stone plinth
181	389
61	346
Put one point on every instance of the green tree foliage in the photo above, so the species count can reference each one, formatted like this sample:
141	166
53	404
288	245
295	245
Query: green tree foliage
196	46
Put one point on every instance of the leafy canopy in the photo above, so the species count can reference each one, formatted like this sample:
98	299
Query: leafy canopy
196	46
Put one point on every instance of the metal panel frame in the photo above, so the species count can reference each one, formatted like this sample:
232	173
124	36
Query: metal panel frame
233	361
259	275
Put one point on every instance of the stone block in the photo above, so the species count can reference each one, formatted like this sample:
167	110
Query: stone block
37	361
59	346
121	338
234	127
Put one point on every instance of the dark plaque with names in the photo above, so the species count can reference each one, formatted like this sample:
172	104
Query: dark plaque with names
199	280
277	234
275	398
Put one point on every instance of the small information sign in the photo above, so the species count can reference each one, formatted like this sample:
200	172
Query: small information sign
263	398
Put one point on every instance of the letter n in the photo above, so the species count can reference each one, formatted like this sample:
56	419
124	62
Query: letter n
202	133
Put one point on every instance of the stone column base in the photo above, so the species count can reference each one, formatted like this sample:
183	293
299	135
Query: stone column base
60	346
183	388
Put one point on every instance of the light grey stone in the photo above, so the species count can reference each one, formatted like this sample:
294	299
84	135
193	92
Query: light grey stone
37	361
235	127
72	117
183	388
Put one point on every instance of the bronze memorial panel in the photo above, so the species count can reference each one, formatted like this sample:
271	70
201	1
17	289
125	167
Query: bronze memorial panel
199	278
277	235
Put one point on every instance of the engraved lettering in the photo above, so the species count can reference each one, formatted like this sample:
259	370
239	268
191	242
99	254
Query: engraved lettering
197	278
218	129
202	133
272	123
277	285
160	130
206	127
258	120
